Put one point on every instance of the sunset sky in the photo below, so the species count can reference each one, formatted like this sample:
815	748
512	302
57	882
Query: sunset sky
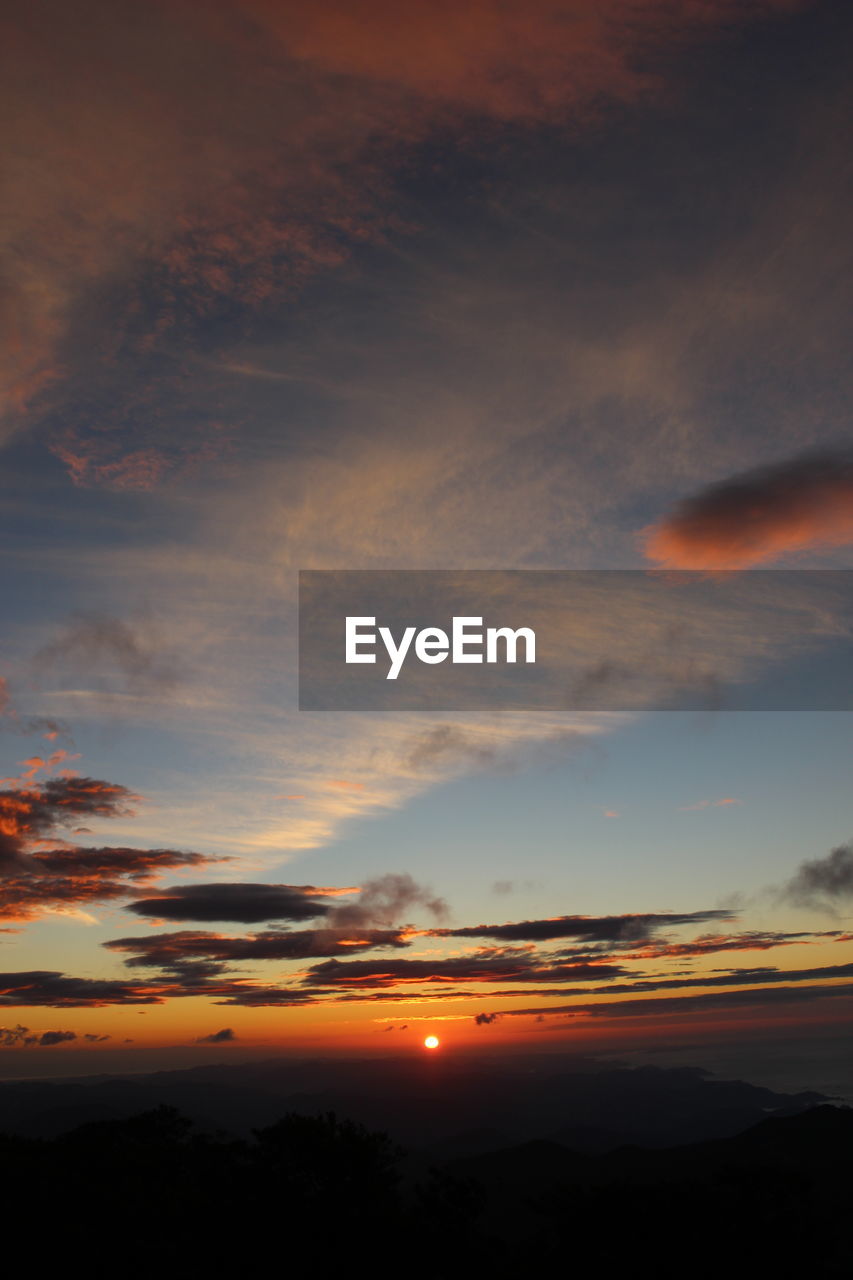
445	284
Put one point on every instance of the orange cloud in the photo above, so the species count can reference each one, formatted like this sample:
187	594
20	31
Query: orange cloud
759	516
706	804
511	61
42	872
37	764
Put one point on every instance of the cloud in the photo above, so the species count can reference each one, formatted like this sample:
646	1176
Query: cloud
247	903
257	996
203	168
533	62
56	1037
760	515
462	480
164	210
751	977
380	902
723	803
196	958
706	1002
449	741
10	719
485	1019
336	981
225	1036
823	882
134	864
172	950
38	764
49	987
624	928
507	965
449	746
65	878
384	900
95	642
60	991
27	813
709	944
36	879
11	1037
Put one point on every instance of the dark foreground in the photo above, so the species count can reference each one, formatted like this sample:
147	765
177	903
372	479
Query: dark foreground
151	1196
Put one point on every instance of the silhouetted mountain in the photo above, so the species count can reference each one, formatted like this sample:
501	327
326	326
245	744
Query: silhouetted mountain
424	1102
149	1195
774	1198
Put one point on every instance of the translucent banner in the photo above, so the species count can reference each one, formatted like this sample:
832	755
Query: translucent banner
592	640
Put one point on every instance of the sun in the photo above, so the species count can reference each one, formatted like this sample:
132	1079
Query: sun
431	1042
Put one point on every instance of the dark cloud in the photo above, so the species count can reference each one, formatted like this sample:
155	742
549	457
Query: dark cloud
34	879
48	987
22	1036
257	997
30	812
69	878
26	898
760	515
768	976
611	929
57	1037
245	903
59	991
11	1036
197	960
225	1036
168	950
754	940
823	882
509	965
133	864
734	978
485	1019
706	1002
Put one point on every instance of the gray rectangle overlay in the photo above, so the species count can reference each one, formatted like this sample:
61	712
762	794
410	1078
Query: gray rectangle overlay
604	640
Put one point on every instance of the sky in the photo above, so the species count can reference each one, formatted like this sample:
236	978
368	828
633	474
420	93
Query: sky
360	285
